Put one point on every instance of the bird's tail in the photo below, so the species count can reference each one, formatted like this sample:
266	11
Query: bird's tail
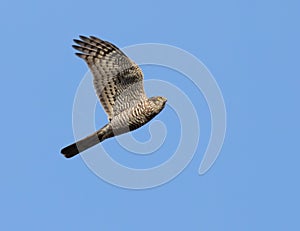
87	142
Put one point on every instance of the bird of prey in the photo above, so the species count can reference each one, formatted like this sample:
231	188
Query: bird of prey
118	83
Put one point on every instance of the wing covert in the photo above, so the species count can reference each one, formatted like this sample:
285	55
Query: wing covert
118	81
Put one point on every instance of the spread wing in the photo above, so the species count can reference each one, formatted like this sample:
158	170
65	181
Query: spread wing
118	81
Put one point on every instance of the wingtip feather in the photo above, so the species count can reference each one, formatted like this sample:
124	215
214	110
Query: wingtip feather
80	55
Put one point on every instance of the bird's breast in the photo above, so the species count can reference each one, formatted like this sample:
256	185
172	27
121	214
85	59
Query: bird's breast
133	118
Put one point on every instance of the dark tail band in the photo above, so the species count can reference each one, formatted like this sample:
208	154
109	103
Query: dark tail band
87	142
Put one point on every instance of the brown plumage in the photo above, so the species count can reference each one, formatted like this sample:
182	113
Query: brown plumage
118	82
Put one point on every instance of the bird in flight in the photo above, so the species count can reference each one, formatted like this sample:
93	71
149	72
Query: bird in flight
118	83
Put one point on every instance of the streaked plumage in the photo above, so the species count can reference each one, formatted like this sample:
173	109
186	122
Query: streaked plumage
118	82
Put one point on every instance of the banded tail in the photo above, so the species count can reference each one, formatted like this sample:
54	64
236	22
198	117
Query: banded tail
87	142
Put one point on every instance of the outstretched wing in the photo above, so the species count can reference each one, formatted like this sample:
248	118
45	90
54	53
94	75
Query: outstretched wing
118	81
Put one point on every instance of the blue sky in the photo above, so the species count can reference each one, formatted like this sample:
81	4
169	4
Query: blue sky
252	49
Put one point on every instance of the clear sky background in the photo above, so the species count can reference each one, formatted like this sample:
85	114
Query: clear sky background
252	49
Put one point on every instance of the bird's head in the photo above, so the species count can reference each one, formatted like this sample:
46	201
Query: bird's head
158	103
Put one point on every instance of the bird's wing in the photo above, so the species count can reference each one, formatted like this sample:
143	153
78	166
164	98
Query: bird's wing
118	81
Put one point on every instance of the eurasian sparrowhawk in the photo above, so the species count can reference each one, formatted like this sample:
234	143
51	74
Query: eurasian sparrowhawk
118	82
